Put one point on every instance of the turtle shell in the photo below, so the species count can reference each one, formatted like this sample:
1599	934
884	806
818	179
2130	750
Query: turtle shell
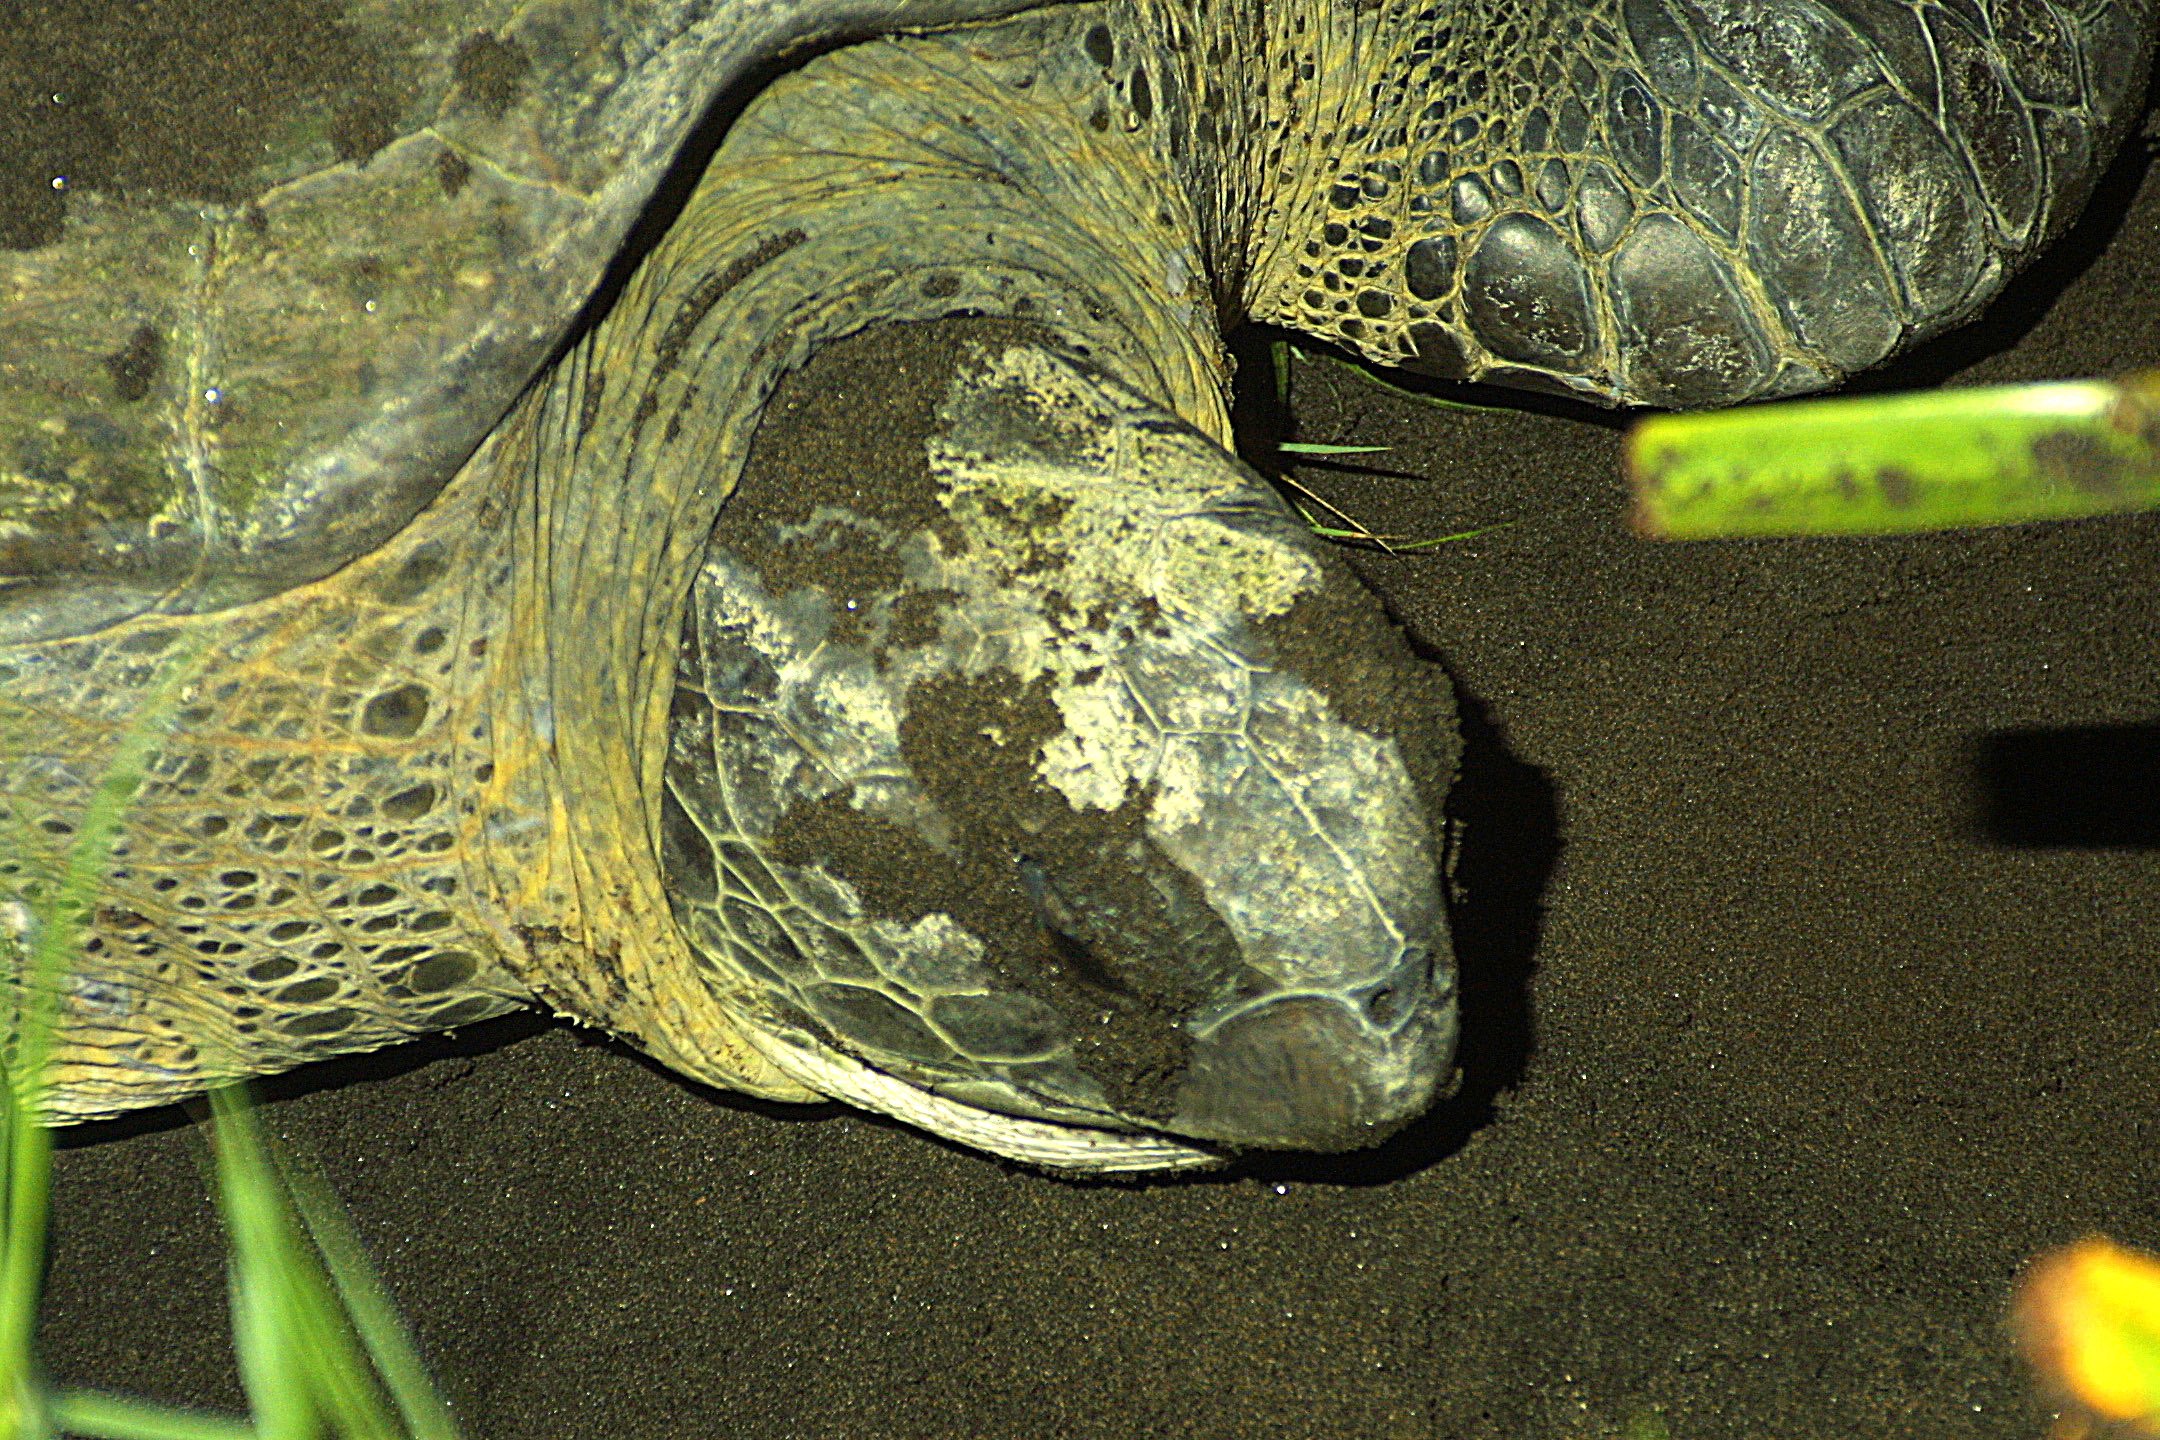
269	273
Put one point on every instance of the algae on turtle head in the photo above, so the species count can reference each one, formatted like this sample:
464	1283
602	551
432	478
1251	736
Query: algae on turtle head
1036	780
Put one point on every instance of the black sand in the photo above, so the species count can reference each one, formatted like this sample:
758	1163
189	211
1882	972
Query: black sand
1782	1054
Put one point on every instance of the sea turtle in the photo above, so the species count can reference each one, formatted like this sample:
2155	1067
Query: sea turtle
1039	781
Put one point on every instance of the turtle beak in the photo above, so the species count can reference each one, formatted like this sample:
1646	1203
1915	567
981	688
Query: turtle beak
1300	982
1318	1071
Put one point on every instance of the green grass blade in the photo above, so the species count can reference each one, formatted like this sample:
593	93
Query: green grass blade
29	1188
1300	447
28	1143
1893	464
109	1417
1406	547
260	1232
276	1391
1287	352
1351	531
301	1357
389	1345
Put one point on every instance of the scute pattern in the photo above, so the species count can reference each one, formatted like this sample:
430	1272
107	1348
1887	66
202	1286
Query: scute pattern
1806	185
213	397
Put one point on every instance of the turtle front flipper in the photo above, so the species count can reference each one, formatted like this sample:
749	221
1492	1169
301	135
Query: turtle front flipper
289	880
1677	202
1032	777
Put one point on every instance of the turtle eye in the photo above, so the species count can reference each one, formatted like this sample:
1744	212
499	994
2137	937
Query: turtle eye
1061	926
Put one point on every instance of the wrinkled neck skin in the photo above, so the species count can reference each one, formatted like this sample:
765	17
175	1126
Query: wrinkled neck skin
978	186
1262	105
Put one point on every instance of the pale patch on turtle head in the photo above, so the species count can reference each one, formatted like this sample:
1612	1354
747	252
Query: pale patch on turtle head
993	783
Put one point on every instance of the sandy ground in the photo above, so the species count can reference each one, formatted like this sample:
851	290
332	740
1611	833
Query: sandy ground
1803	1004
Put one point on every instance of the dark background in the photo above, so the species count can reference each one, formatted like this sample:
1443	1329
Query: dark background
1802	1006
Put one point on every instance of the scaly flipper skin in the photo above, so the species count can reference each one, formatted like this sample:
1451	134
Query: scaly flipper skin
1040	784
291	878
1677	202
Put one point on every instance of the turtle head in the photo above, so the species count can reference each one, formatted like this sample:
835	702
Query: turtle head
1062	795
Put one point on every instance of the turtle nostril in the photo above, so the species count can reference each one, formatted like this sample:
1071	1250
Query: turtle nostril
1382	1006
1059	922
1035	881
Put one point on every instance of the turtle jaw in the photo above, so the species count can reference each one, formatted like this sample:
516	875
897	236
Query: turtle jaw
1319	1071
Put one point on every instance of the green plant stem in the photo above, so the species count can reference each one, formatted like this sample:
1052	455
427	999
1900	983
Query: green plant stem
28	1140
29	1183
109	1417
366	1300
1894	464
